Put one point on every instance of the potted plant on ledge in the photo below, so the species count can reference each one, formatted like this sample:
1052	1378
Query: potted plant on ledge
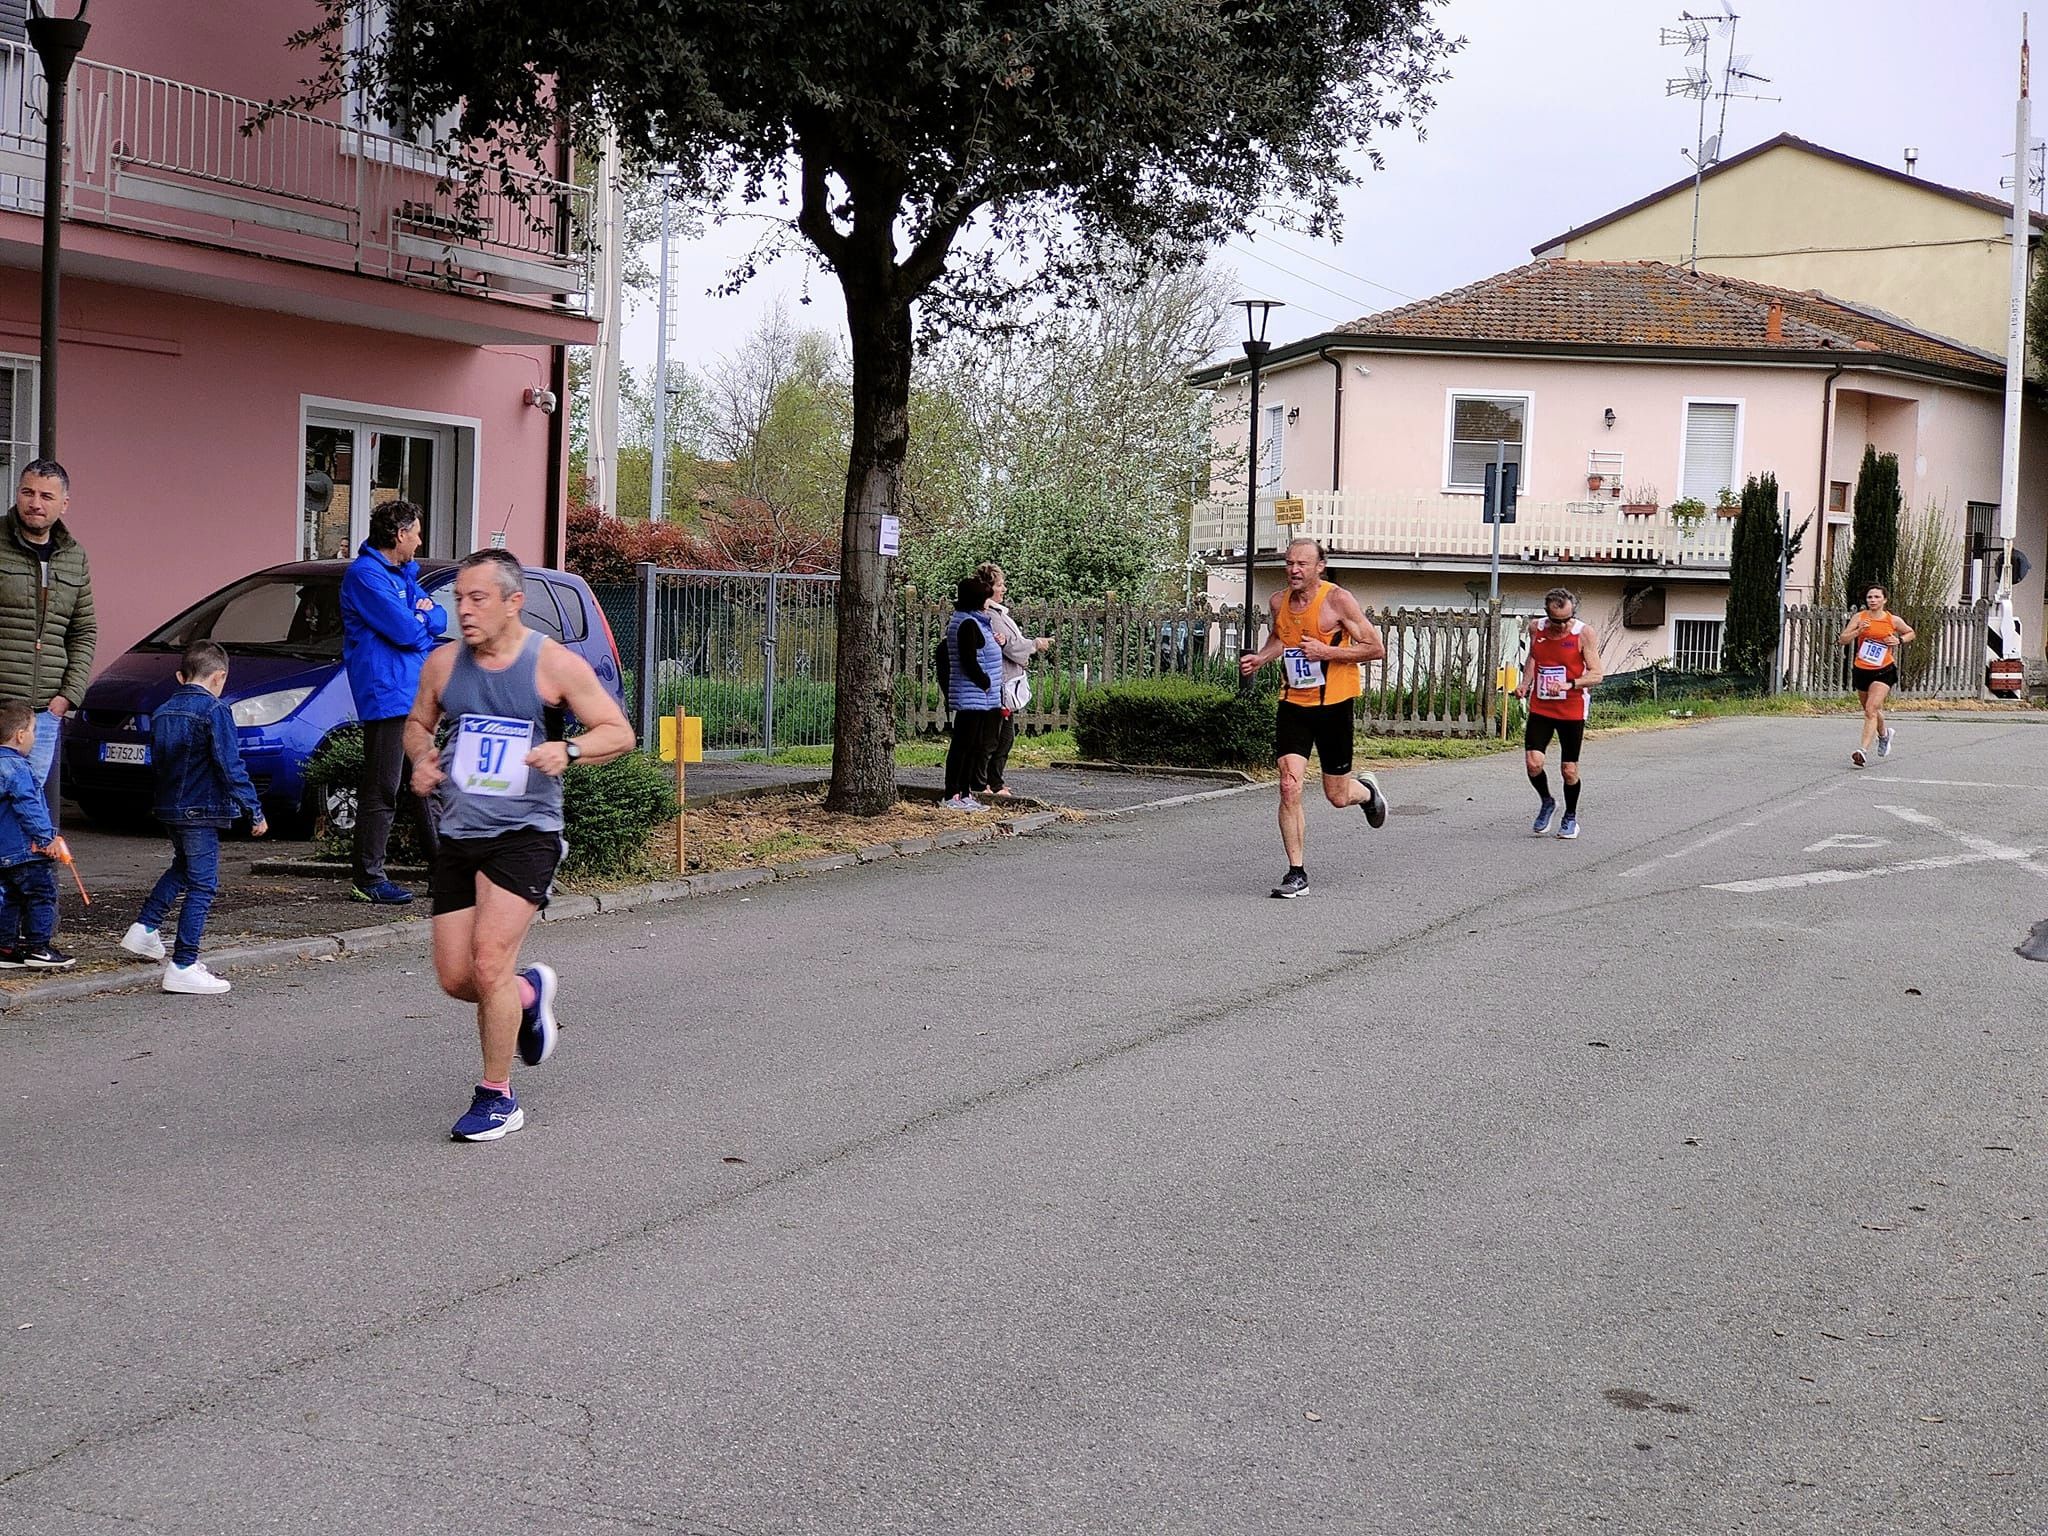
1687	513
1642	501
1727	503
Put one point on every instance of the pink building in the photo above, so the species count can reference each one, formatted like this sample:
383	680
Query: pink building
1619	389
264	333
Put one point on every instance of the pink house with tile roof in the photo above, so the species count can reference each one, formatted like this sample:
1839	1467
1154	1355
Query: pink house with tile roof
266	330
1618	388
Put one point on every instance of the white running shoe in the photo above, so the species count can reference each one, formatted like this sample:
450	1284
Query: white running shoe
143	943
1858	758
194	978
1884	744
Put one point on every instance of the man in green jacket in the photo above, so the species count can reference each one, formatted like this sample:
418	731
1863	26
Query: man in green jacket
47	627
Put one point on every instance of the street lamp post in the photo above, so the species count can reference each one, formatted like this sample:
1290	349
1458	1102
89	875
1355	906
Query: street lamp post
1256	313
57	42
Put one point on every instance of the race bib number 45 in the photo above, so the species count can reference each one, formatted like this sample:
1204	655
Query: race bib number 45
1301	672
1872	653
490	755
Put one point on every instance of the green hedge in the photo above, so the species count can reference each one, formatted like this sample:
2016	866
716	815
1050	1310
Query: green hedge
1177	721
608	809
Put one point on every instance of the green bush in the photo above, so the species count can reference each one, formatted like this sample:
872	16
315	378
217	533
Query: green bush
1175	720
608	809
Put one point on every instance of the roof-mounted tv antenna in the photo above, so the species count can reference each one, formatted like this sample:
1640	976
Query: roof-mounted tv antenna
1695	34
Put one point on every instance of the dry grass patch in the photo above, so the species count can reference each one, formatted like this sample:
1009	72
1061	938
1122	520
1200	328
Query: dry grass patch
776	829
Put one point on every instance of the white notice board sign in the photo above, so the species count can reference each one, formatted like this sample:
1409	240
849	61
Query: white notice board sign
889	537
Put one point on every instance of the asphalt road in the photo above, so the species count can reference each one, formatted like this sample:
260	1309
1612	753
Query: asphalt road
1686	1178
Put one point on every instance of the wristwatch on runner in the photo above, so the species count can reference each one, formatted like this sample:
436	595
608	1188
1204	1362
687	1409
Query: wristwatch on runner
573	750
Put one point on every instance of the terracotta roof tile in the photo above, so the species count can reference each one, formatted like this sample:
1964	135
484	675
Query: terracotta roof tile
1654	304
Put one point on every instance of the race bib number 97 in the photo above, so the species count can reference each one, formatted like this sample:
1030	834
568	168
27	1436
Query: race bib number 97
1872	653
1301	672
490	755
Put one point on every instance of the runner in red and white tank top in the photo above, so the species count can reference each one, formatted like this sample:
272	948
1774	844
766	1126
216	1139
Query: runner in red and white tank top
1564	664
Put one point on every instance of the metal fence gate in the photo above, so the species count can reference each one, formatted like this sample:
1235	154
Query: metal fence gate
1945	660
752	653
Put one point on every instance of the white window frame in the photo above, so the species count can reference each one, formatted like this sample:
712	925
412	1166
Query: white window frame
1272	469
1734	481
460	473
1673	620
1451	398
23	446
368	134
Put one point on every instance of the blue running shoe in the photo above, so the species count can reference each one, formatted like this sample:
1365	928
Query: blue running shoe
1543	818
1569	827
384	893
537	1024
491	1115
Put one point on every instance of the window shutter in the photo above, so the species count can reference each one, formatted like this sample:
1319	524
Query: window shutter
1480	425
14	20
1709	450
1272	446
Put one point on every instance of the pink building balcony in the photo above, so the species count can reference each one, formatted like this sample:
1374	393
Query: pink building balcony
1429	527
160	157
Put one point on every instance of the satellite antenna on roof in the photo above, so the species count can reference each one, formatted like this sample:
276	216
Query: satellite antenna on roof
1695	34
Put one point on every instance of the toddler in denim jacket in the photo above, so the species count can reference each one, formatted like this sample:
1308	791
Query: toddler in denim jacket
28	881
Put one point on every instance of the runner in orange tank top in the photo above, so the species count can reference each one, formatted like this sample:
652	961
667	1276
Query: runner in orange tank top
1320	636
1877	635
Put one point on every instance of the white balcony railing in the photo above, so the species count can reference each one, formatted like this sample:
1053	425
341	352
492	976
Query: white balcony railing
173	159
1422	525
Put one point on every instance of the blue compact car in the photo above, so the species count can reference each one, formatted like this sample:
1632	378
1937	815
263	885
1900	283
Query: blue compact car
282	631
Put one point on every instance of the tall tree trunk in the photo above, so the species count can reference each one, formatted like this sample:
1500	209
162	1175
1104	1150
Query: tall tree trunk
864	709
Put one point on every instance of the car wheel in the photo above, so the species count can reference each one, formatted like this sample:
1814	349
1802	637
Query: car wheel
336	808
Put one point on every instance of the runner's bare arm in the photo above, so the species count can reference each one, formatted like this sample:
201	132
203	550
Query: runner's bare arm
1365	642
1855	625
1589	652
423	717
1522	659
566	678
1251	661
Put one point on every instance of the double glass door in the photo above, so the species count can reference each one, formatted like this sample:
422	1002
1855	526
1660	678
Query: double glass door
353	466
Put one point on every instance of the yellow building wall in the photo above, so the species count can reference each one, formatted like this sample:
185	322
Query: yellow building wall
1798	220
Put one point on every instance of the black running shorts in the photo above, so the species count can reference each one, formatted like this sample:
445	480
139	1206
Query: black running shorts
1570	734
1865	676
1323	728
521	861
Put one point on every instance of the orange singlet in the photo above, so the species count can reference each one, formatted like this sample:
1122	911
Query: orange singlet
1313	682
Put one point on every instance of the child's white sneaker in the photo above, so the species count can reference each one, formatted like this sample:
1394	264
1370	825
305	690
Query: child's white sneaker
143	943
195	978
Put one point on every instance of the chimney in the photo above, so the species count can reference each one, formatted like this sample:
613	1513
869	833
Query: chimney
1774	321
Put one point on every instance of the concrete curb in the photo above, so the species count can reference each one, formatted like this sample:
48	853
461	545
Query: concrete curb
413	933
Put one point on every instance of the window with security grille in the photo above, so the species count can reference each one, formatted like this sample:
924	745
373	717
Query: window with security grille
1485	429
1696	645
1710	431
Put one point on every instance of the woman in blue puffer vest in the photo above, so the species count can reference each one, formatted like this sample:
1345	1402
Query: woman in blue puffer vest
974	692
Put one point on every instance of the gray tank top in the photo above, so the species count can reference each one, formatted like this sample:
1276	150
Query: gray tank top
496	718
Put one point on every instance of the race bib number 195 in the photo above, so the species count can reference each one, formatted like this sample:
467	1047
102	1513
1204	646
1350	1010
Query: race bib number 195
490	755
1550	683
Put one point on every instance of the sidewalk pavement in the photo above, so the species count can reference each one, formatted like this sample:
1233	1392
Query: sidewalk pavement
263	916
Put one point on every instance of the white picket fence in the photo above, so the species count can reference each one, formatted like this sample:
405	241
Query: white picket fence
1422	524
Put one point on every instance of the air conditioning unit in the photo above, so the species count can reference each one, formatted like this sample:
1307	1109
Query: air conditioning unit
1642	607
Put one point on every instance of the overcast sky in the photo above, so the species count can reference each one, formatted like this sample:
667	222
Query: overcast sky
1554	114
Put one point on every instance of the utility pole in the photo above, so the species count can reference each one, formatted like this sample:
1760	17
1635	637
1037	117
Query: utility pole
657	493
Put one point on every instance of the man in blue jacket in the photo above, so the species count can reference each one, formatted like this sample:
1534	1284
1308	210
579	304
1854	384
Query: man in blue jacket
388	625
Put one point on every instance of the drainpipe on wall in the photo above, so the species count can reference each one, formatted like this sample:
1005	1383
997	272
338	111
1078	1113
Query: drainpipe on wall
1820	507
558	380
1336	423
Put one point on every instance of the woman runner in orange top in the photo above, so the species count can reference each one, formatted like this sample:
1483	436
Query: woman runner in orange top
1877	635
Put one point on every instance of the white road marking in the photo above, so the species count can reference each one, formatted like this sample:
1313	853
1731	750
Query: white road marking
1838	876
1714	837
1887	778
1984	845
1847	840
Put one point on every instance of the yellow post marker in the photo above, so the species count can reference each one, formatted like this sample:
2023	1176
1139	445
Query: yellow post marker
682	742
1507	679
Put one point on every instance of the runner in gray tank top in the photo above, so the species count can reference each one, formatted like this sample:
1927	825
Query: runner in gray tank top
496	784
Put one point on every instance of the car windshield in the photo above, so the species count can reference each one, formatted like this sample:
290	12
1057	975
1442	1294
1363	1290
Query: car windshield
275	615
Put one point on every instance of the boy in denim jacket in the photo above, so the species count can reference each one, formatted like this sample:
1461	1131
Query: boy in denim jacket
28	883
201	788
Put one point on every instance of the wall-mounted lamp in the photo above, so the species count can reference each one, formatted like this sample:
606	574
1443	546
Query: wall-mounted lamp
1608	417
1293	414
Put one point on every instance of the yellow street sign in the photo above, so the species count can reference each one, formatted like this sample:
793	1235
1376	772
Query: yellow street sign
1290	511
